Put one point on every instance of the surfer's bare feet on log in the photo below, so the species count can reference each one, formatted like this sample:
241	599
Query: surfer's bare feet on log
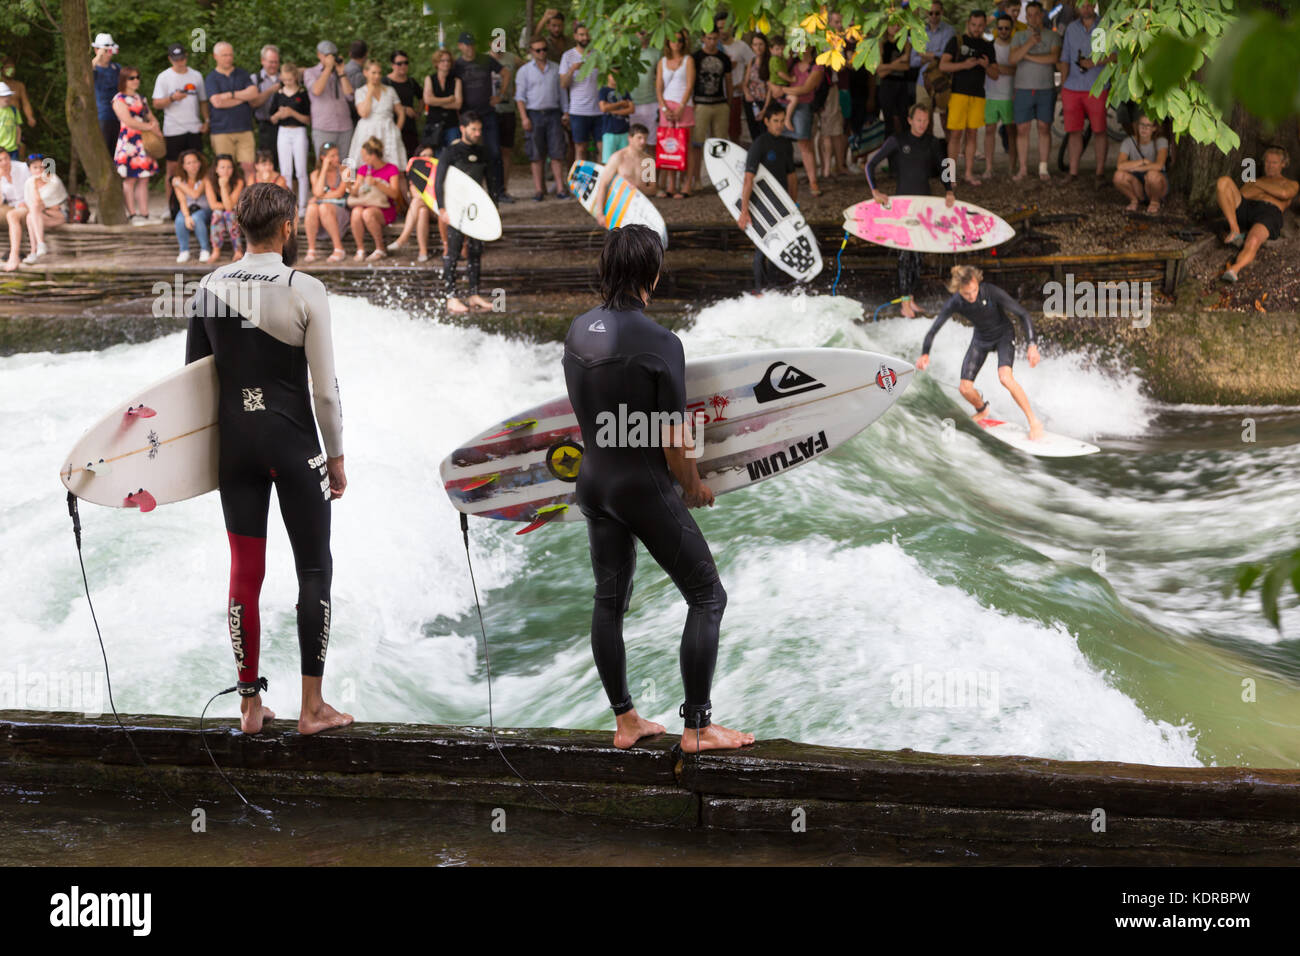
455	305
632	727
714	737
253	714
1035	429
480	304
321	717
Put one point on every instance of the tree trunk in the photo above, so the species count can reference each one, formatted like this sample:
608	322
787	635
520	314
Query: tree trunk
530	21
83	121
1198	165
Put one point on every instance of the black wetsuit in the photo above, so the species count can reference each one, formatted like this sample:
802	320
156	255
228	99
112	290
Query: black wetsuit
914	161
993	329
776	154
267	325
614	358
472	161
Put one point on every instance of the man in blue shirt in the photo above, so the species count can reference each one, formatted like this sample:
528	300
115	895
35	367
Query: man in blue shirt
106	72
1081	66
230	90
543	104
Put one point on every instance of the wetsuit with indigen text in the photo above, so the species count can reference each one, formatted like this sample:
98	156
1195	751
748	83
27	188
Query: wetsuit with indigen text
620	365
267	326
993	329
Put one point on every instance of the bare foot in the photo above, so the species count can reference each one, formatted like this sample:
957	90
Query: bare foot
480	304
1132	206
909	310
972	181
1035	430
324	717
10	265
714	737
1019	176
632	727
455	305
253	714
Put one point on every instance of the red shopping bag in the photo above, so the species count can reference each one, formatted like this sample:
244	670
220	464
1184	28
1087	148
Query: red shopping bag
670	148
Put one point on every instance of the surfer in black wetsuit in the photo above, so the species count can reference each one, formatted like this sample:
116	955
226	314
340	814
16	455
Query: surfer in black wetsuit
621	366
268	325
986	307
914	156
775	153
468	155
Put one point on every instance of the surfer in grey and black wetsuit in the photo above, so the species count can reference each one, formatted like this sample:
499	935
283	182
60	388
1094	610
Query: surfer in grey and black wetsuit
621	366
267	326
915	156
985	306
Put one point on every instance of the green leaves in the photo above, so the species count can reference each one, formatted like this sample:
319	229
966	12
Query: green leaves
1273	577
1170	60
1256	65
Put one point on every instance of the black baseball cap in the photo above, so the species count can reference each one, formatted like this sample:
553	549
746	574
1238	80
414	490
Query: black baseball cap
176	52
467	37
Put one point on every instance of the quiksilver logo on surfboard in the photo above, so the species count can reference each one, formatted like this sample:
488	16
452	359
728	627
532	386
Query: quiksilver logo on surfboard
779	461
782	379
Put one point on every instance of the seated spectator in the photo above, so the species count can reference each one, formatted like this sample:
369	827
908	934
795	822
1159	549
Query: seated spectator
264	170
13	177
134	164
417	215
1140	173
373	199
1256	208
194	215
45	200
223	187
327	210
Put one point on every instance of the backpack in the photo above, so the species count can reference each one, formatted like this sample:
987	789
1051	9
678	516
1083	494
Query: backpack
78	209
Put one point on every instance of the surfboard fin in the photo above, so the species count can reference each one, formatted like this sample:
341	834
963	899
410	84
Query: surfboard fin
544	516
140	411
512	427
140	499
479	482
100	467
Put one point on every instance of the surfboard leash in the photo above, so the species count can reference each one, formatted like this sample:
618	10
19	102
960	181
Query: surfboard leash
108	680
838	264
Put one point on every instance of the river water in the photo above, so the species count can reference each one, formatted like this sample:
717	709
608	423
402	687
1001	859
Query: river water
922	587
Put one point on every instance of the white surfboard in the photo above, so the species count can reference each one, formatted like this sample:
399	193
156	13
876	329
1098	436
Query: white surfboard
776	226
926	224
1051	445
764	413
158	446
625	205
470	208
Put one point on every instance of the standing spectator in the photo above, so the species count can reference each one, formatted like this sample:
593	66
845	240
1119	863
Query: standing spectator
194	214
933	85
998	93
223	188
106	72
327	210
967	58
712	101
230	89
11	122
268	82
550	30
44	200
13	177
1034	54
503	88
356	65
381	117
895	88
373	195
831	141
442	102
756	93
1140	172
1081	70
542	102
479	77
674	86
408	91
134	164
179	94
330	94
291	114
740	54
807	76
616	110
584	110
645	106
7	70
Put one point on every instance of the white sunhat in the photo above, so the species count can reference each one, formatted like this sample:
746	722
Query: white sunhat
5	91
103	40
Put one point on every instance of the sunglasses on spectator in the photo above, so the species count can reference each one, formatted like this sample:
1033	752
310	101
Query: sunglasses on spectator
401	62
539	49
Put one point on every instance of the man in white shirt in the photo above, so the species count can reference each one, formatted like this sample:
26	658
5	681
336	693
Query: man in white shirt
13	177
585	121
740	53
178	93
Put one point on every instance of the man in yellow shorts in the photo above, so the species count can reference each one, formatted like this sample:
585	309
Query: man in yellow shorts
967	58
